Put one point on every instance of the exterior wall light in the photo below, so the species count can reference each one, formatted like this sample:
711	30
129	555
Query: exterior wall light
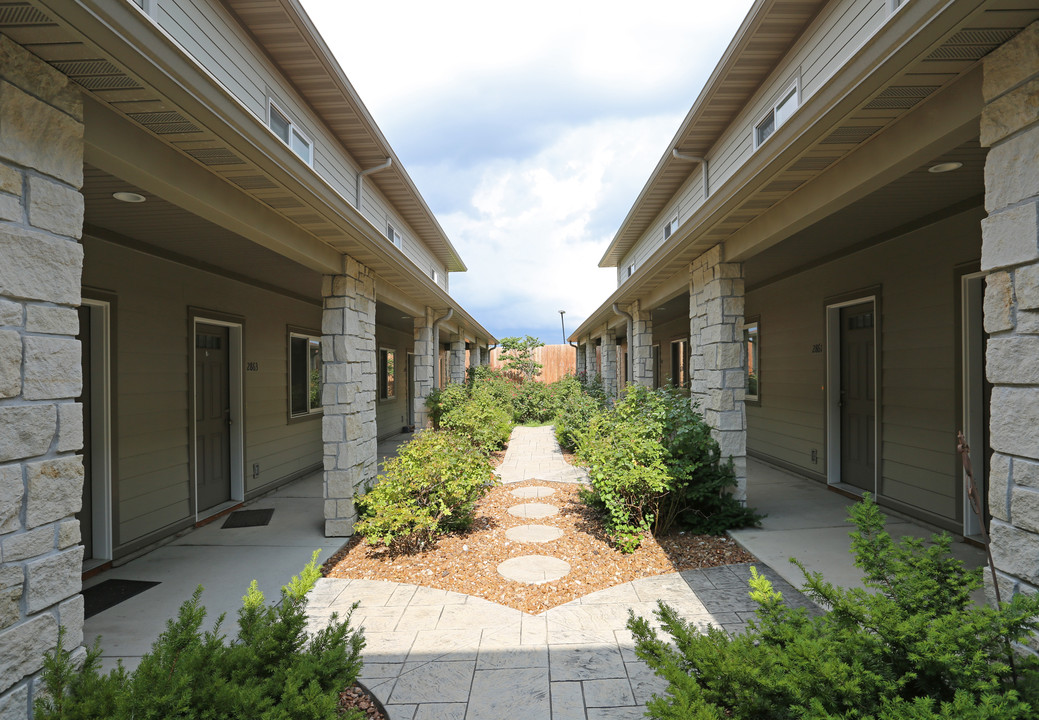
129	197
945	167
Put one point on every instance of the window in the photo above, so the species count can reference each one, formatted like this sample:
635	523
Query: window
751	338
304	374
671	226
394	236
631	269
776	116
680	363
434	274
387	374
290	134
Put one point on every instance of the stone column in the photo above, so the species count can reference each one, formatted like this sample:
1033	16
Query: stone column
456	361
41	425
424	367
591	363
475	354
640	345
348	376
718	357
609	363
579	353
1010	256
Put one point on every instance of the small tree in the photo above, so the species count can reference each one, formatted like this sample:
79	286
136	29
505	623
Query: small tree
518	356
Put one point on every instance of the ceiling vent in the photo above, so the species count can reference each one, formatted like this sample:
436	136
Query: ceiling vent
165	123
253	182
215	156
900	97
851	135
812	164
22	14
972	43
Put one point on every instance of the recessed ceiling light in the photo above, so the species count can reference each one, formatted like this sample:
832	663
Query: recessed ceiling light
130	197
945	167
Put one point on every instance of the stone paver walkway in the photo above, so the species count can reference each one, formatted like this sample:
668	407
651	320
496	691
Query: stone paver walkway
433	654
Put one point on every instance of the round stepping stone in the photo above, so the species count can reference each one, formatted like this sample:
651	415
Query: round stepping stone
533	511
534	569
533	533
535	491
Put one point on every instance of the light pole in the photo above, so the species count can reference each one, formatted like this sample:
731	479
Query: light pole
562	325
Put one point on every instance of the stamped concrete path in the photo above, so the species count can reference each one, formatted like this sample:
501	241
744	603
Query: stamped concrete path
433	654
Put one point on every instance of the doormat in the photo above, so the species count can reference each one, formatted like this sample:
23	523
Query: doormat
110	593
248	518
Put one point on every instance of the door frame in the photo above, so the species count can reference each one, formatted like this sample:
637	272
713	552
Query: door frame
236	401
972	393
101	427
833	385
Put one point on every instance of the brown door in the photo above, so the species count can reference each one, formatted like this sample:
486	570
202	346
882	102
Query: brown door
86	513
212	417
858	396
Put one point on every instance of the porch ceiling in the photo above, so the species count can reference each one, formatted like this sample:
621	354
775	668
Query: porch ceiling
159	227
916	199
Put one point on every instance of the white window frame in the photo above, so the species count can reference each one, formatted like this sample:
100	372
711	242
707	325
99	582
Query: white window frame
294	128
752	327
394	237
434	274
631	270
792	92
670	226
311	411
896	5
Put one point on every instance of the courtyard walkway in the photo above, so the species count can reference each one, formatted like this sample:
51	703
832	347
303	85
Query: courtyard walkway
436	654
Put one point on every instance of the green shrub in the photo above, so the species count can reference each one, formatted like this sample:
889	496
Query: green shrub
481	419
430	488
441	401
912	646
574	417
534	402
271	670
652	462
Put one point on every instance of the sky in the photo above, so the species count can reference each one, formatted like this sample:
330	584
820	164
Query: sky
529	128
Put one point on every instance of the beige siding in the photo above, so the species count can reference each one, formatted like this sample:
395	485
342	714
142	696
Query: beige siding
209	34
835	35
920	346
152	340
392	415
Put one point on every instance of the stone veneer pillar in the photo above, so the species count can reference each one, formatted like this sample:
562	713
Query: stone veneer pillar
348	391
591	363
456	361
640	345
41	425
475	354
718	358
579	354
609	363
1010	256
424	361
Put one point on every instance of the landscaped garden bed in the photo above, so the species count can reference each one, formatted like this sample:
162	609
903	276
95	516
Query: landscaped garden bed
467	562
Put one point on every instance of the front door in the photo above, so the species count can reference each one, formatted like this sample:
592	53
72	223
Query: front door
86	513
212	417
858	396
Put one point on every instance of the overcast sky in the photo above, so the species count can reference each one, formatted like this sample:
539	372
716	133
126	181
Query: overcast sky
529	128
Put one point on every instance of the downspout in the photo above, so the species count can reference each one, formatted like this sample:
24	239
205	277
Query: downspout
703	164
369	171
631	340
436	347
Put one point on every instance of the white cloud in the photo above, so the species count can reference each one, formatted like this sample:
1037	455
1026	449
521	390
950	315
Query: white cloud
529	237
529	128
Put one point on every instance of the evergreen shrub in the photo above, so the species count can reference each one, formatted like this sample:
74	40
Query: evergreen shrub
911	646
653	463
272	669
431	487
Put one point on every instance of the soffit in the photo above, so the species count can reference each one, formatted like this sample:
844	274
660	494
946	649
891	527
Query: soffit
929	61
283	30
950	45
768	32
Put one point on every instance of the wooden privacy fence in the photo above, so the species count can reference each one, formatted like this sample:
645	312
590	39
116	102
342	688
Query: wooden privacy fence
558	360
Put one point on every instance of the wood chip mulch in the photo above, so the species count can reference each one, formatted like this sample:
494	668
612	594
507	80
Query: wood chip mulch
467	562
